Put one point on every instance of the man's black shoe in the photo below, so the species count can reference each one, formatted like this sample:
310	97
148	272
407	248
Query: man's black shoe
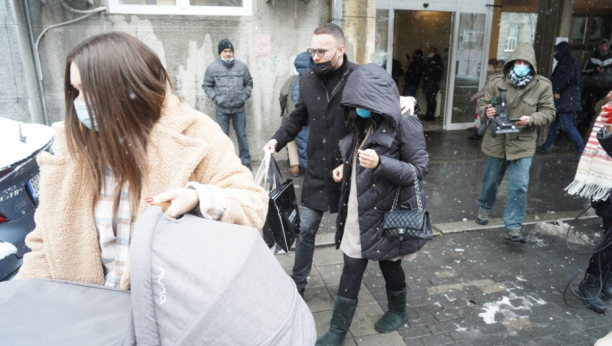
429	119
590	295
475	138
301	292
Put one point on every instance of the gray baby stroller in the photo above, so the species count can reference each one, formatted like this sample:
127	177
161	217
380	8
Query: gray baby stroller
193	282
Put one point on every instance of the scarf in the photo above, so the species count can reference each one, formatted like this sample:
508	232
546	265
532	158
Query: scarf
520	82
593	177
114	231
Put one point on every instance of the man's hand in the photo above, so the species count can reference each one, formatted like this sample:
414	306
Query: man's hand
270	147
368	158
600	69
490	112
338	173
407	104
557	96
524	121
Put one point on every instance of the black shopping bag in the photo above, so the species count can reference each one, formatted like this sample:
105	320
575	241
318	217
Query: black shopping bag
283	220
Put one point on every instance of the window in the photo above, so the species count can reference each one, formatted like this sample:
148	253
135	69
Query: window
183	7
512	39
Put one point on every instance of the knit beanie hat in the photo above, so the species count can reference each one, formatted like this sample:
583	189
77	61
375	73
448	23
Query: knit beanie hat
225	44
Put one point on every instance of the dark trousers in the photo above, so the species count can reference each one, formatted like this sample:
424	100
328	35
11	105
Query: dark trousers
310	220
430	97
410	90
354	268
601	261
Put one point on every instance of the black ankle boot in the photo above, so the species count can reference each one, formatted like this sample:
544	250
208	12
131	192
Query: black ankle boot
589	290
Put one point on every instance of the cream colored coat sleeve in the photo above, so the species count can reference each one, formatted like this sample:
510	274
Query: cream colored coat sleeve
246	203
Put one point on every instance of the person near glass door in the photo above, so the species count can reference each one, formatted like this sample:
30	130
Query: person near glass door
431	82
414	73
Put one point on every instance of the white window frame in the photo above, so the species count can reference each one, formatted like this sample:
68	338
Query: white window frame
182	7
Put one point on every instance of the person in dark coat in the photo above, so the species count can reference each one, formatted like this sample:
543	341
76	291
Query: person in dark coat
598	277
415	71
319	105
381	152
598	73
567	88
397	71
431	82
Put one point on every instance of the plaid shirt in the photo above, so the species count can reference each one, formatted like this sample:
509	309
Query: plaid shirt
114	231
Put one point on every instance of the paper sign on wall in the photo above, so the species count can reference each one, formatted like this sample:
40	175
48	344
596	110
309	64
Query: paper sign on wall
263	45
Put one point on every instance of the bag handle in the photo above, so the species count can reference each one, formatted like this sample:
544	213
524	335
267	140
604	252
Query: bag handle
417	189
275	174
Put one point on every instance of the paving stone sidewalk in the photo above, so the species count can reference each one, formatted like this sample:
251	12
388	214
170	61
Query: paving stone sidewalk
469	289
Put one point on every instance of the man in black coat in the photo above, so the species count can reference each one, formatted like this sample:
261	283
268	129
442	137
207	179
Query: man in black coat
413	75
567	86
598	72
431	82
319	102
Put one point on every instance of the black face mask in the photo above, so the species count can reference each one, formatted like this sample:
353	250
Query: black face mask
324	68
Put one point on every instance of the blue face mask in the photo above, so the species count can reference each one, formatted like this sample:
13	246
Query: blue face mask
522	70
81	110
232	59
364	113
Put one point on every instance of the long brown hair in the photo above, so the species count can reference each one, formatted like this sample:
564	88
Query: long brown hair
124	86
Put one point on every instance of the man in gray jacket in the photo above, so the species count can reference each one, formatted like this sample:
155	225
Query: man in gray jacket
228	84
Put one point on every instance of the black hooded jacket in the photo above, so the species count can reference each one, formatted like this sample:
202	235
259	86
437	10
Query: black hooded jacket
567	80
398	140
320	107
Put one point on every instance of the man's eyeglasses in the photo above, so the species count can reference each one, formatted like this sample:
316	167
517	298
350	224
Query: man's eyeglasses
319	52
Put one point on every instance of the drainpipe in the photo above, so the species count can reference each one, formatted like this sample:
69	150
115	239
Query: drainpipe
337	12
41	90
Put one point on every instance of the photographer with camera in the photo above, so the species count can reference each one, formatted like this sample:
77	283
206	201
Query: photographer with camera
526	101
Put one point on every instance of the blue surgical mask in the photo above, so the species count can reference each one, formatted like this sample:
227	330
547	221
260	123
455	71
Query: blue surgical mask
364	113
81	110
231	59
522	70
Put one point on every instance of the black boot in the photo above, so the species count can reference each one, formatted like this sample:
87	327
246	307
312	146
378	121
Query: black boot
344	309
589	290
397	313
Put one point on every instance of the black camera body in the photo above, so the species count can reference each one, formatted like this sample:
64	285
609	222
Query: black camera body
501	123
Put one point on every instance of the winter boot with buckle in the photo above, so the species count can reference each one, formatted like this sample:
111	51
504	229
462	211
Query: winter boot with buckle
589	289
397	313
342	316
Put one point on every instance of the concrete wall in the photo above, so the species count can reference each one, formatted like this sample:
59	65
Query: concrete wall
19	95
187	45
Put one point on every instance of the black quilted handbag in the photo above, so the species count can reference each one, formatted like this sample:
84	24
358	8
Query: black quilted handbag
407	224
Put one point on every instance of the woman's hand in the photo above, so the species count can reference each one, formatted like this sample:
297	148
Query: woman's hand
181	201
338	173
368	158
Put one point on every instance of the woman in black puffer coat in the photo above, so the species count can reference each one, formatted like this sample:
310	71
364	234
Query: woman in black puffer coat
377	150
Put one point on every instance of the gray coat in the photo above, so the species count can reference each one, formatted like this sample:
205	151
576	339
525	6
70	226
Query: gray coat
228	85
398	140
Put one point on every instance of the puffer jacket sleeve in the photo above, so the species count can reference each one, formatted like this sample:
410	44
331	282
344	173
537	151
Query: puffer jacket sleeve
546	111
248	82
413	150
209	84
245	203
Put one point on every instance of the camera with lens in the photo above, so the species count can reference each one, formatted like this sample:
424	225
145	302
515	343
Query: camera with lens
501	123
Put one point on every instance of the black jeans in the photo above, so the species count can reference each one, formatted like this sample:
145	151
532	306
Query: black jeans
354	268
430	97
600	262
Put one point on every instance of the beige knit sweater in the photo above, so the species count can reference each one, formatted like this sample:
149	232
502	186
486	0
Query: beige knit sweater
65	243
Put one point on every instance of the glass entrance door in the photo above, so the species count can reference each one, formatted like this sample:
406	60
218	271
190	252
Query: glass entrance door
468	68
